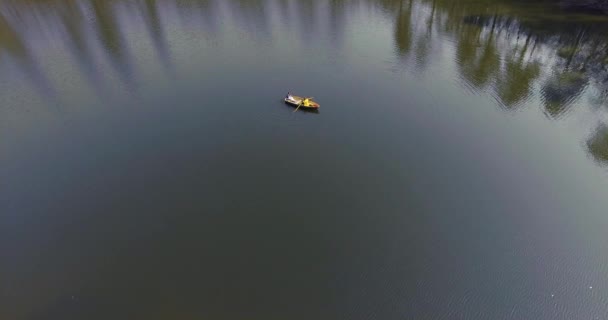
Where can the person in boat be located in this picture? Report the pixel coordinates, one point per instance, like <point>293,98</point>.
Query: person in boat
<point>306,102</point>
<point>289,97</point>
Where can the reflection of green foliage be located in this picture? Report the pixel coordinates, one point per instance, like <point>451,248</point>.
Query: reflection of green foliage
<point>488,64</point>
<point>561,90</point>
<point>570,78</point>
<point>514,86</point>
<point>403,30</point>
<point>566,52</point>
<point>483,58</point>
<point>598,144</point>
<point>466,53</point>
<point>9,39</point>
<point>109,33</point>
<point>479,64</point>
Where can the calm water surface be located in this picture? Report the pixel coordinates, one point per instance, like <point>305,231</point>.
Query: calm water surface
<point>457,169</point>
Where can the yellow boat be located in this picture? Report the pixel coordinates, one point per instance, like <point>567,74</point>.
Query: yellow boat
<point>305,102</point>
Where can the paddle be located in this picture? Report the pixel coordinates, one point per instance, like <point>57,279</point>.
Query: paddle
<point>301,101</point>
<point>299,105</point>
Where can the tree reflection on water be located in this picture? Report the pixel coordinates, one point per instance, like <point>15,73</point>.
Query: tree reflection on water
<point>512,50</point>
<point>518,51</point>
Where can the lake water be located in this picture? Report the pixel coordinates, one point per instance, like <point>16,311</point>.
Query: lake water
<point>457,168</point>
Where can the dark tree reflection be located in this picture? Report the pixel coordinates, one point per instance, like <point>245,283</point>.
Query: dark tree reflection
<point>403,28</point>
<point>598,144</point>
<point>12,44</point>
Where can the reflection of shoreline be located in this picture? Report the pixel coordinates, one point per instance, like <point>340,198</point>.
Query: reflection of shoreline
<point>157,34</point>
<point>505,59</point>
<point>513,54</point>
<point>83,26</point>
<point>12,44</point>
<point>590,6</point>
<point>111,39</point>
<point>496,51</point>
<point>500,48</point>
<point>597,144</point>
<point>79,48</point>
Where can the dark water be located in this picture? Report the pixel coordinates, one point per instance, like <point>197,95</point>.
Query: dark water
<point>457,169</point>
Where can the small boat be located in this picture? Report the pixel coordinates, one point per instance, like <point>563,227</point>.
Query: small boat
<point>296,101</point>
